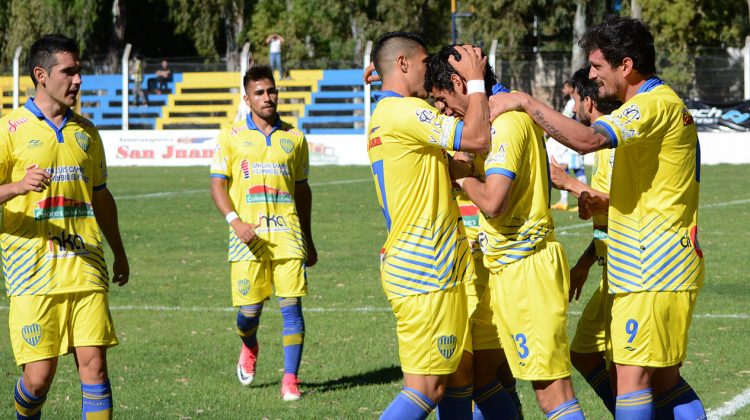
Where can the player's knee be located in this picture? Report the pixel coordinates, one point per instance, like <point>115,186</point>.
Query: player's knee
<point>93,370</point>
<point>291,313</point>
<point>38,384</point>
<point>248,317</point>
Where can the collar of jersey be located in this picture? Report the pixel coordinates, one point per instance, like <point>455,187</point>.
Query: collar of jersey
<point>650,84</point>
<point>31,106</point>
<point>386,94</point>
<point>251,125</point>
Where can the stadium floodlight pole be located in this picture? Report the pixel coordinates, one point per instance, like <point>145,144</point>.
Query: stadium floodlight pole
<point>16,76</point>
<point>493,58</point>
<point>243,110</point>
<point>125,88</point>
<point>368,110</point>
<point>746,57</point>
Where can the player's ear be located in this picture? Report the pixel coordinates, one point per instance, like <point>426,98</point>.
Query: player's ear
<point>40,75</point>
<point>403,63</point>
<point>458,83</point>
<point>627,66</point>
<point>588,104</point>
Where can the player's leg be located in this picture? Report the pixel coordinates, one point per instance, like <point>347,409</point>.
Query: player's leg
<point>589,344</point>
<point>290,280</point>
<point>35,335</point>
<point>251,286</point>
<point>91,332</point>
<point>530,298</point>
<point>431,331</point>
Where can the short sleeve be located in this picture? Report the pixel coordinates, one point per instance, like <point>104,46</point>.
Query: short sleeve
<point>100,162</point>
<point>302,162</point>
<point>507,149</point>
<point>220,165</point>
<point>423,123</point>
<point>637,120</point>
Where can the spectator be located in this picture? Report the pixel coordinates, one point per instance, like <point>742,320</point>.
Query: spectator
<point>163,77</point>
<point>274,42</point>
<point>139,97</point>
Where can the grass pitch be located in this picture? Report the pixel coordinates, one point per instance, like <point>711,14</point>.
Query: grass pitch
<point>178,348</point>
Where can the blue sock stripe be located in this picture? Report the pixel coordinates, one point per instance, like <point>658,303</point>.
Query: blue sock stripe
<point>487,391</point>
<point>293,301</point>
<point>462,392</point>
<point>681,388</point>
<point>418,398</point>
<point>251,311</point>
<point>565,409</point>
<point>24,396</point>
<point>634,399</point>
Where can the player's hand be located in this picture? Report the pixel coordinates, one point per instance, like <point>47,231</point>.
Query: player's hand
<point>369,75</point>
<point>578,275</point>
<point>589,205</point>
<point>36,179</point>
<point>558,174</point>
<point>312,255</point>
<point>470,65</point>
<point>459,168</point>
<point>503,102</point>
<point>244,231</point>
<point>121,271</point>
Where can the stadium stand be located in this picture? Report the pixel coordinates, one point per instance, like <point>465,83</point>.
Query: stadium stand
<point>337,106</point>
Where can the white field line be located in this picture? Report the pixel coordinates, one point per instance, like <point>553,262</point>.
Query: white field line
<point>730,407</point>
<point>206,190</point>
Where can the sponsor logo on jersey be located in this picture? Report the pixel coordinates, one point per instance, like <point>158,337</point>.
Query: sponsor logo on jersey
<point>259,168</point>
<point>245,168</point>
<point>446,345</point>
<point>287,145</point>
<point>60,207</point>
<point>470,215</point>
<point>66,245</point>
<point>83,140</point>
<point>687,118</point>
<point>497,157</point>
<point>266,194</point>
<point>236,130</point>
<point>14,124</point>
<point>373,142</point>
<point>67,173</point>
<point>32,334</point>
<point>34,143</point>
<point>271,223</point>
<point>243,286</point>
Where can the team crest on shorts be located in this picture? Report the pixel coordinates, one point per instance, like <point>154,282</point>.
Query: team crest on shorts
<point>32,334</point>
<point>83,140</point>
<point>243,286</point>
<point>446,345</point>
<point>286,145</point>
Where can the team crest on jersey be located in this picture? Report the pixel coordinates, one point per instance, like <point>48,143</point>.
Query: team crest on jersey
<point>32,334</point>
<point>287,145</point>
<point>243,286</point>
<point>687,119</point>
<point>446,345</point>
<point>83,140</point>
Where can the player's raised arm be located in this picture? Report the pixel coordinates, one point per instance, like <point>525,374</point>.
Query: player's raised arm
<point>475,136</point>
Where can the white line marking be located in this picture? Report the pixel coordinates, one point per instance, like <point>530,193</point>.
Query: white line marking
<point>206,190</point>
<point>731,407</point>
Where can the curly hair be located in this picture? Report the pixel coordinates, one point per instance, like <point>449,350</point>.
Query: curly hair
<point>439,71</point>
<point>619,37</point>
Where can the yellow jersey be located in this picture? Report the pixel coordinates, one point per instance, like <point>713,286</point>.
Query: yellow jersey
<point>50,240</point>
<point>426,249</point>
<point>653,210</point>
<point>601,178</point>
<point>518,153</point>
<point>261,172</point>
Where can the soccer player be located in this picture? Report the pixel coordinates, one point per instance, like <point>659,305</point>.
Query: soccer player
<point>426,257</point>
<point>55,201</point>
<point>494,385</point>
<point>655,266</point>
<point>259,184</point>
<point>528,268</point>
<point>587,351</point>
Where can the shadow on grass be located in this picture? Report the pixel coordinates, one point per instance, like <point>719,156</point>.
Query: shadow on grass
<point>376,377</point>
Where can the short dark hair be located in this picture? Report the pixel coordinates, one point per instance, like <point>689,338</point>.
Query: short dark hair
<point>439,71</point>
<point>619,37</point>
<point>391,42</point>
<point>587,88</point>
<point>42,52</point>
<point>256,73</point>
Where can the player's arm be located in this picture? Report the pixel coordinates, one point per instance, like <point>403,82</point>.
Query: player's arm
<point>105,211</point>
<point>475,135</point>
<point>565,130</point>
<point>590,204</point>
<point>580,271</point>
<point>244,231</point>
<point>36,179</point>
<point>303,203</point>
<point>562,180</point>
<point>490,196</point>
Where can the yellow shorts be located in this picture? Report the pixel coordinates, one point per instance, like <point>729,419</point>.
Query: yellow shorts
<point>252,281</point>
<point>432,329</point>
<point>650,328</point>
<point>530,301</point>
<point>47,326</point>
<point>484,331</point>
<point>590,334</point>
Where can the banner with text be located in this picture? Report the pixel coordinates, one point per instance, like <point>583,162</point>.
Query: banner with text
<point>709,116</point>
